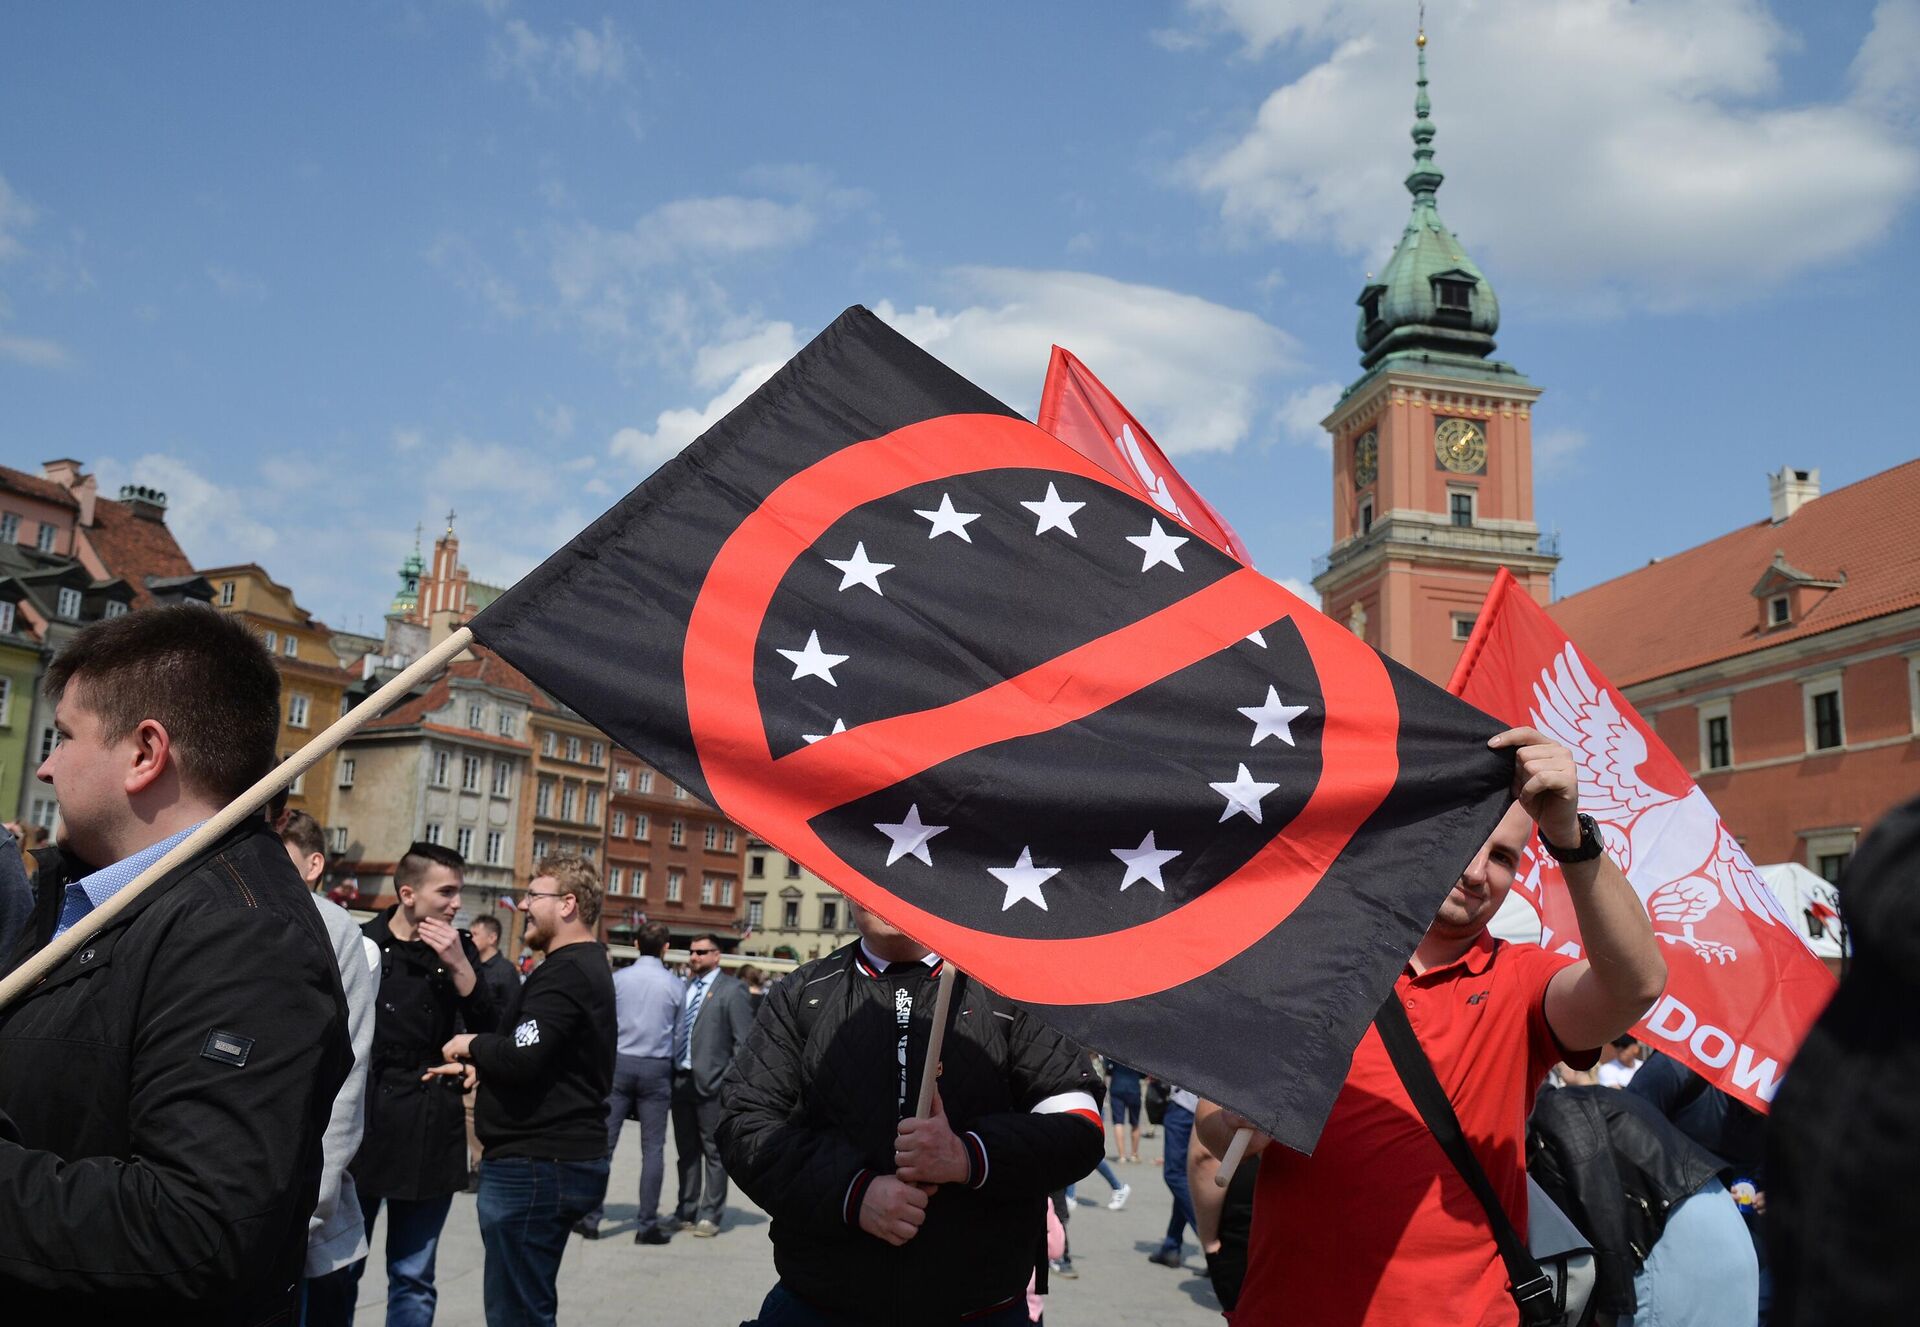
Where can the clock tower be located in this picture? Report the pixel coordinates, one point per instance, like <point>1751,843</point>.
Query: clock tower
<point>1432,447</point>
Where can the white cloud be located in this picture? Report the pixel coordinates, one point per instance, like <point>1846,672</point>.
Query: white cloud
<point>209,520</point>
<point>579,58</point>
<point>235,284</point>
<point>34,351</point>
<point>558,421</point>
<point>1302,411</point>
<point>752,357</point>
<point>472,465</point>
<point>1192,370</point>
<point>473,275</point>
<point>1300,588</point>
<point>1606,149</point>
<point>1557,452</point>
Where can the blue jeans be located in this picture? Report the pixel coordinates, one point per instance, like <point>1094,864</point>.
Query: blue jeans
<point>1702,1271</point>
<point>1179,1127</point>
<point>413,1240</point>
<point>527,1208</point>
<point>643,1091</point>
<point>782,1309</point>
<point>1106,1173</point>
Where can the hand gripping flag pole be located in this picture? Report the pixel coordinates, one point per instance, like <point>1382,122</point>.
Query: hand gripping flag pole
<point>28,974</point>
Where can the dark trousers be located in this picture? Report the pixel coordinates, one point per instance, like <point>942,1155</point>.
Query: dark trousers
<point>782,1308</point>
<point>696,1137</point>
<point>1179,1126</point>
<point>643,1091</point>
<point>526,1209</point>
<point>327,1301</point>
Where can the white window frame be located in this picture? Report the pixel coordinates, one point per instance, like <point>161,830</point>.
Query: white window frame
<point>226,594</point>
<point>291,646</point>
<point>496,842</point>
<point>49,739</point>
<point>1913,690</point>
<point>637,883</point>
<point>463,841</point>
<point>619,780</point>
<point>729,839</point>
<point>708,887</point>
<point>272,640</point>
<point>347,766</point>
<point>547,743</point>
<point>593,806</point>
<point>573,749</point>
<point>502,778</point>
<point>613,880</point>
<point>677,833</point>
<point>1472,495</point>
<point>67,602</point>
<point>642,826</point>
<point>442,768</point>
<point>679,793</point>
<point>599,753</point>
<point>114,608</point>
<point>1363,517</point>
<point>6,616</point>
<point>726,891</point>
<point>711,839</point>
<point>299,704</point>
<point>1820,686</point>
<point>1463,626</point>
<point>618,827</point>
<point>569,799</point>
<point>644,782</point>
<point>829,914</point>
<point>676,880</point>
<point>509,723</point>
<point>10,527</point>
<point>543,798</point>
<point>476,715</point>
<point>539,847</point>
<point>470,767</point>
<point>435,831</point>
<point>756,913</point>
<point>48,538</point>
<point>336,838</point>
<point>1710,710</point>
<point>1779,612</point>
<point>6,699</point>
<point>790,914</point>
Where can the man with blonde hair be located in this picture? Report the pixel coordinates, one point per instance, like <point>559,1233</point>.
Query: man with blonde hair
<point>542,1108</point>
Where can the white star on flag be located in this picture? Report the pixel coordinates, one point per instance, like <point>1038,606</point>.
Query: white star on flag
<point>860,570</point>
<point>910,837</point>
<point>1272,719</point>
<point>1023,880</point>
<point>839,726</point>
<point>948,521</point>
<point>814,661</point>
<point>1243,796</point>
<point>1144,862</point>
<point>1055,512</point>
<point>1257,637</point>
<point>1159,547</point>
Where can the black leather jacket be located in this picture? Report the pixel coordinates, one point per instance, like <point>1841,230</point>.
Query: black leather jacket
<point>1616,1167</point>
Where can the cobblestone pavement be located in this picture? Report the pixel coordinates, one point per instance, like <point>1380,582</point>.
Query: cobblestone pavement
<point>719,1282</point>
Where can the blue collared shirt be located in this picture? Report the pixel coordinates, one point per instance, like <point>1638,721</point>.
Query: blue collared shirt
<point>647,1000</point>
<point>110,880</point>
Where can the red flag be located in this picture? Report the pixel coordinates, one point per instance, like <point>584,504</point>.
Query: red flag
<point>1742,987</point>
<point>1077,408</point>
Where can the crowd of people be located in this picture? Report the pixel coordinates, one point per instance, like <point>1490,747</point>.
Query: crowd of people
<point>211,1141</point>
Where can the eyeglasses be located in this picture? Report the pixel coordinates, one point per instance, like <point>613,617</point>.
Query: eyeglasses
<point>703,952</point>
<point>536,893</point>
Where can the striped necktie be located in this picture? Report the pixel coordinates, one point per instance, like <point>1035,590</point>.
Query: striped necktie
<point>696,994</point>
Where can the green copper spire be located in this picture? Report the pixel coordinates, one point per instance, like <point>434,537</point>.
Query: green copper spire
<point>1429,300</point>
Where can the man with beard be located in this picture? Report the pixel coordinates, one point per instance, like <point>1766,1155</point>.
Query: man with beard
<point>543,1085</point>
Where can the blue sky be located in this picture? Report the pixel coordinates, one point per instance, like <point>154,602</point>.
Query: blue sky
<point>323,273</point>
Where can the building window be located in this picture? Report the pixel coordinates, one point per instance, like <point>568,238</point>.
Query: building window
<point>1826,723</point>
<point>613,880</point>
<point>10,529</point>
<point>1366,516</point>
<point>440,763</point>
<point>45,812</point>
<point>728,839</point>
<point>67,602</point>
<point>291,647</point>
<point>299,784</point>
<point>1460,508</point>
<point>679,793</point>
<point>619,780</point>
<point>1463,626</point>
<point>476,715</point>
<point>1830,865</point>
<point>463,841</point>
<point>543,803</point>
<point>346,772</point>
<point>644,781</point>
<point>674,880</point>
<point>677,833</point>
<point>470,774</point>
<point>599,753</point>
<point>706,890</point>
<point>618,829</point>
<point>273,641</point>
<point>1716,735</point>
<point>569,799</point>
<point>642,824</point>
<point>6,699</point>
<point>509,723</point>
<point>49,737</point>
<point>756,913</point>
<point>1779,610</point>
<point>539,848</point>
<point>47,535</point>
<point>1453,293</point>
<point>793,869</point>
<point>593,806</point>
<point>114,608</point>
<point>757,866</point>
<point>790,915</point>
<point>336,838</point>
<point>829,914</point>
<point>712,840</point>
<point>226,594</point>
<point>546,744</point>
<point>573,748</point>
<point>495,841</point>
<point>502,779</point>
<point>6,617</point>
<point>297,705</point>
<point>434,832</point>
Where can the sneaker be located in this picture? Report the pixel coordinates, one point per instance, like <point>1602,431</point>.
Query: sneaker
<point>1120,1196</point>
<point>1166,1258</point>
<point>705,1229</point>
<point>1062,1268</point>
<point>652,1235</point>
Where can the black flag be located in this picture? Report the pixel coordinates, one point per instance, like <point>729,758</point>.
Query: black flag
<point>944,661</point>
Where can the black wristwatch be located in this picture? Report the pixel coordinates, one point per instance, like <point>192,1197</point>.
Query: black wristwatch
<point>1586,850</point>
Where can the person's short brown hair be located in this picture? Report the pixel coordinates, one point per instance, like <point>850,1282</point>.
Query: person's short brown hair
<point>652,940</point>
<point>302,832</point>
<point>489,921</point>
<point>200,674</point>
<point>573,874</point>
<point>413,864</point>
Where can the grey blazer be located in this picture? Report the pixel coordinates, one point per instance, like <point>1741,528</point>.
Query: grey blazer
<point>726,1016</point>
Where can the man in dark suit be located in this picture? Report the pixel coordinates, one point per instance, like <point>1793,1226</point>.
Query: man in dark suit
<point>714,1020</point>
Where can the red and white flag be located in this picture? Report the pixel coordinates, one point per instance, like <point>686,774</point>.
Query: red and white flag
<point>1077,408</point>
<point>1742,986</point>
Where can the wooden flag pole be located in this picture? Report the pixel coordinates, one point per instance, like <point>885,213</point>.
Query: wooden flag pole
<point>1236,1153</point>
<point>930,1072</point>
<point>29,973</point>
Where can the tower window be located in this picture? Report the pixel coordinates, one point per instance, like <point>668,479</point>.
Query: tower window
<point>1370,307</point>
<point>1460,508</point>
<point>1453,294</point>
<point>1366,516</point>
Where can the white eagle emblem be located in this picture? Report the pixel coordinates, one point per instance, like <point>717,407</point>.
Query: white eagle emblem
<point>1151,479</point>
<point>1678,855</point>
<point>528,1033</point>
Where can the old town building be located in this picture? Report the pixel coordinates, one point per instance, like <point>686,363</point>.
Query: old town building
<point>791,912</point>
<point>565,806</point>
<point>670,858</point>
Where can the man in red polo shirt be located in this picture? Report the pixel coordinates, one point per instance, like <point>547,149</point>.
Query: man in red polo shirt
<point>1377,1227</point>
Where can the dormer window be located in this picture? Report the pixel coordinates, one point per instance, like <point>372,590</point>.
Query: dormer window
<point>1779,612</point>
<point>1370,305</point>
<point>1453,293</point>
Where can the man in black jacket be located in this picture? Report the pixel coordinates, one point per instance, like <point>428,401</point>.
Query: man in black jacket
<point>878,1217</point>
<point>413,1155</point>
<point>164,1092</point>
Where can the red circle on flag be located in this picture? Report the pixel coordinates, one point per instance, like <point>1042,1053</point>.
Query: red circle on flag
<point>779,797</point>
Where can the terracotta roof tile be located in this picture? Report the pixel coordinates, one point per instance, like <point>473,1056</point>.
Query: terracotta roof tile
<point>134,548</point>
<point>1697,607</point>
<point>34,486</point>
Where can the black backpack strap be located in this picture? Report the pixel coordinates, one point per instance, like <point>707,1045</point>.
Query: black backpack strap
<point>1532,1289</point>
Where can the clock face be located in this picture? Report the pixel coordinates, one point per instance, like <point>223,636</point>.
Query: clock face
<point>1460,445</point>
<point>1366,458</point>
